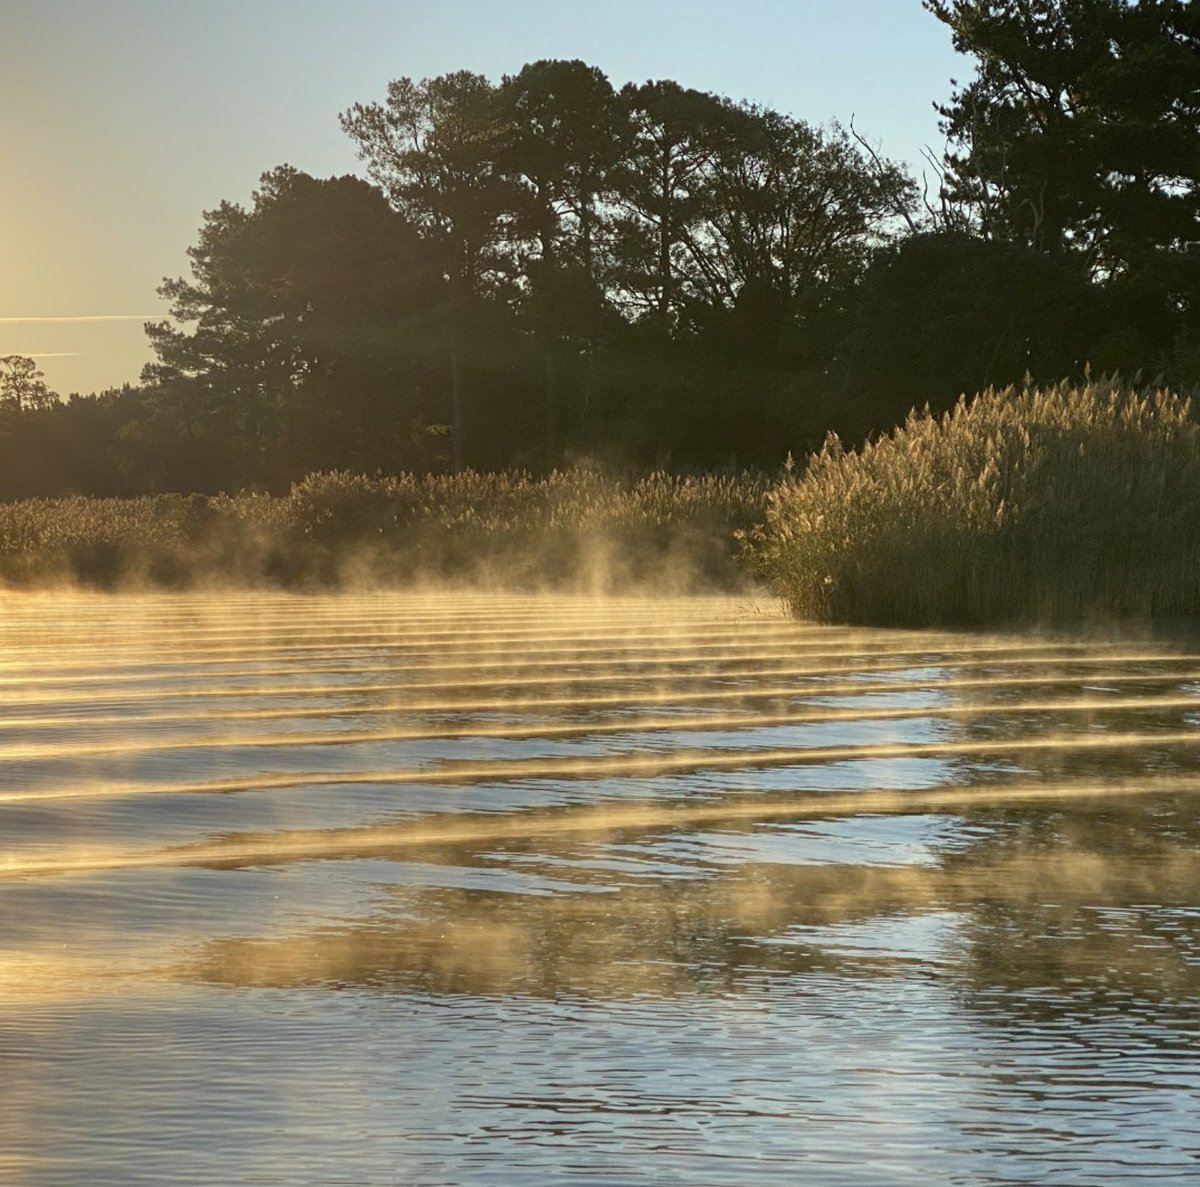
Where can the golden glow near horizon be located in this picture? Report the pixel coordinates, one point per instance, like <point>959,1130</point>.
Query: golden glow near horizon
<point>71,350</point>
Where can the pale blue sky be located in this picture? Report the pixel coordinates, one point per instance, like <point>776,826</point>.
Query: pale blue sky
<point>122,120</point>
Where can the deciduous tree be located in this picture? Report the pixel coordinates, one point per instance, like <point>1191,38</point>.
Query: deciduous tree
<point>563,133</point>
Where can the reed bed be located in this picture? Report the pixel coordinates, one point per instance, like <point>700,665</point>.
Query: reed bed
<point>1040,504</point>
<point>575,528</point>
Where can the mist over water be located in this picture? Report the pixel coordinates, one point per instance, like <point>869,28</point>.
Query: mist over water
<point>452,888</point>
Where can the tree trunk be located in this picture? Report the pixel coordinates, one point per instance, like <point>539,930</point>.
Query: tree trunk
<point>551,403</point>
<point>664,243</point>
<point>456,402</point>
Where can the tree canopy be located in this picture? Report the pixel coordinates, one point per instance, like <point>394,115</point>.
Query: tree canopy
<point>1079,137</point>
<point>23,386</point>
<point>1080,133</point>
<point>547,267</point>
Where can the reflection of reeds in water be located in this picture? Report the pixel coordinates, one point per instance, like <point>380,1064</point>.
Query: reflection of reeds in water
<point>1035,913</point>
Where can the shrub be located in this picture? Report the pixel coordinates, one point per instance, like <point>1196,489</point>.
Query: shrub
<point>1038,504</point>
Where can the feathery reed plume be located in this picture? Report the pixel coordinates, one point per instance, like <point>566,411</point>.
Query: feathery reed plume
<point>1057,503</point>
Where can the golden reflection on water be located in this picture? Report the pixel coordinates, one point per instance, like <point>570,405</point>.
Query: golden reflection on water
<point>715,720</point>
<point>681,936</point>
<point>470,800</point>
<point>464,829</point>
<point>57,973</point>
<point>635,765</point>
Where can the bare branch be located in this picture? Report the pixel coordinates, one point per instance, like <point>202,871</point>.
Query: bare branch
<point>880,171</point>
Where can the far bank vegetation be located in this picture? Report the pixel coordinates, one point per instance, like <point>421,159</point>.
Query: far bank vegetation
<point>575,529</point>
<point>1032,505</point>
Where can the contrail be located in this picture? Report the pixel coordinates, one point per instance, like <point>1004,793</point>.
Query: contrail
<point>83,317</point>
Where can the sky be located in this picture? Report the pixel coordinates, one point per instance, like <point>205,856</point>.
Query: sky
<point>122,121</point>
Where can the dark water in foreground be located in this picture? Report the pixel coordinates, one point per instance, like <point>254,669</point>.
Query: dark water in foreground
<point>464,890</point>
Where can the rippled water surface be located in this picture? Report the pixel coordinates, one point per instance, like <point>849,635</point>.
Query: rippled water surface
<point>455,889</point>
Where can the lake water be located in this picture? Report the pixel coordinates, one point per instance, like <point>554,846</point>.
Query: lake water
<point>463,889</point>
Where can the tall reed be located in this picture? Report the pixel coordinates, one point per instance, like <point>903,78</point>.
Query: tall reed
<point>576,527</point>
<point>1039,504</point>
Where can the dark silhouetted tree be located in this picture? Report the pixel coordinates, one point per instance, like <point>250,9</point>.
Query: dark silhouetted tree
<point>23,386</point>
<point>563,135</point>
<point>940,314</point>
<point>433,147</point>
<point>301,337</point>
<point>1079,137</point>
<point>660,194</point>
<point>740,235</point>
<point>791,216</point>
<point>1080,133</point>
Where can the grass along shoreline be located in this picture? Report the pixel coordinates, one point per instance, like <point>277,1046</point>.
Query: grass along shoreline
<point>573,529</point>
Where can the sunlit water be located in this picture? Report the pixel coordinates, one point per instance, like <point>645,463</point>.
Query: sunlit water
<point>508,890</point>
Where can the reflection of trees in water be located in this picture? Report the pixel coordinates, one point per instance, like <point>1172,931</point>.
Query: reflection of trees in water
<point>1102,906</point>
<point>1061,910</point>
<point>1100,910</point>
<point>657,937</point>
<point>1102,913</point>
<point>1045,903</point>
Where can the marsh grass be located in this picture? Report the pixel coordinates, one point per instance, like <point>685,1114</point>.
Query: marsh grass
<point>1042,504</point>
<point>576,528</point>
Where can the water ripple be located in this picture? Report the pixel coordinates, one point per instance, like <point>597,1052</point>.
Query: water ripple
<point>466,889</point>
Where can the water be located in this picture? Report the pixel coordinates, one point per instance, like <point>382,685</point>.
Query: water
<point>455,889</point>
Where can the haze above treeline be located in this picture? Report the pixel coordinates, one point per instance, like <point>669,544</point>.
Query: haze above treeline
<point>543,269</point>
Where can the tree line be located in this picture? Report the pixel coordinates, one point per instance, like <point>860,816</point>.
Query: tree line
<point>548,268</point>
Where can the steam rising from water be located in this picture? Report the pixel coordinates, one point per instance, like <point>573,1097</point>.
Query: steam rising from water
<point>1063,706</point>
<point>563,692</point>
<point>474,804</point>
